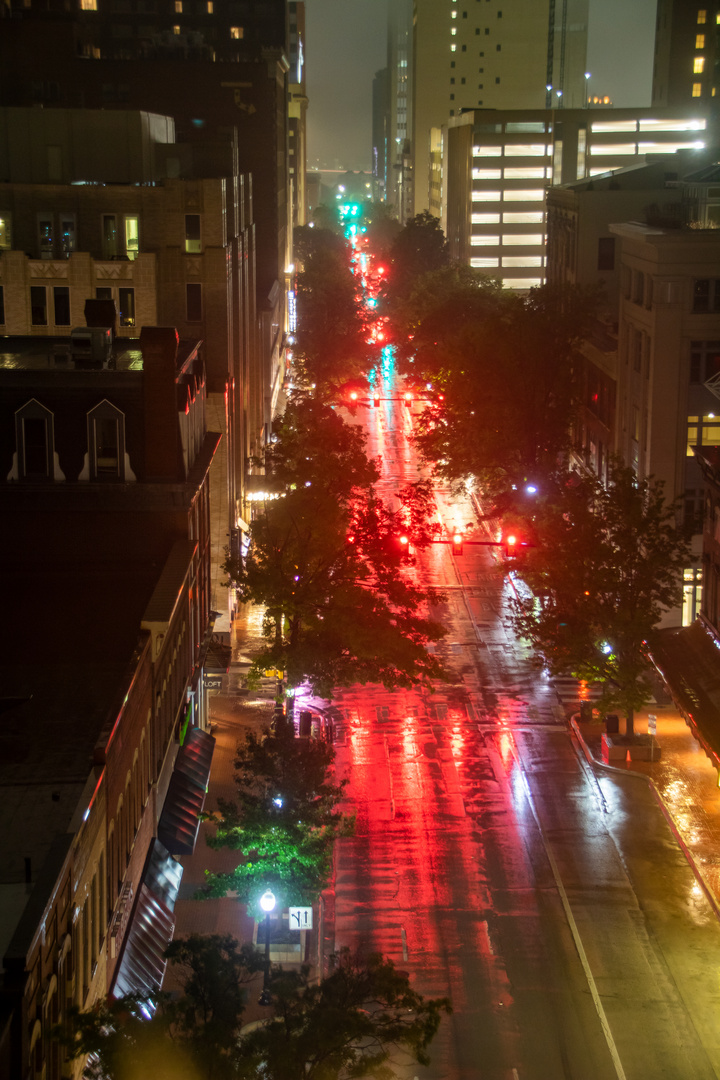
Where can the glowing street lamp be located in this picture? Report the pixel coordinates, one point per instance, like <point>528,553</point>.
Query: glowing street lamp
<point>267,903</point>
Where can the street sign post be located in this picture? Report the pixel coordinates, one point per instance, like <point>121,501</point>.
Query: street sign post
<point>300,918</point>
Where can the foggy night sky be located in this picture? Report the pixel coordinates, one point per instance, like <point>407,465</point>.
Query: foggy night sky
<point>346,43</point>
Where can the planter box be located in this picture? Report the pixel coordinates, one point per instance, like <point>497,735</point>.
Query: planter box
<point>612,750</point>
<point>648,751</point>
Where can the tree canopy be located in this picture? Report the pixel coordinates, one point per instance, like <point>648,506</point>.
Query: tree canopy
<point>354,1022</point>
<point>419,248</point>
<point>608,562</point>
<point>331,340</point>
<point>359,1021</point>
<point>327,560</point>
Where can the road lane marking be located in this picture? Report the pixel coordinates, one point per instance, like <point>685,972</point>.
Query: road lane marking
<point>573,926</point>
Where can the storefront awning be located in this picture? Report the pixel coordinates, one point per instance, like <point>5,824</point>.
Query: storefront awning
<point>141,966</point>
<point>180,818</point>
<point>689,661</point>
<point>195,756</point>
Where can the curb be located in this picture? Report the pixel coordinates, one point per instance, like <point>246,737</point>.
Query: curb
<point>696,869</point>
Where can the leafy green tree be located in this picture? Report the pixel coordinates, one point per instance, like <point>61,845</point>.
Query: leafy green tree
<point>608,563</point>
<point>419,248</point>
<point>506,373</point>
<point>352,1023</point>
<point>326,561</point>
<point>307,240</point>
<point>192,1037</point>
<point>331,341</point>
<point>382,227</point>
<point>359,1021</point>
<point>284,821</point>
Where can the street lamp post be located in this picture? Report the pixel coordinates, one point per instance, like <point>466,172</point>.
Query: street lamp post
<point>267,903</point>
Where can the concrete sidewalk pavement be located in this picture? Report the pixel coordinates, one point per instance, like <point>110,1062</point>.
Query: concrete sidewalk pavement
<point>684,781</point>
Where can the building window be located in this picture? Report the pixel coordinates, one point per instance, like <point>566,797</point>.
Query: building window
<point>702,15</point>
<point>2,306</point>
<point>88,5</point>
<point>45,235</point>
<point>5,232</point>
<point>698,65</point>
<point>176,30</point>
<point>106,442</point>
<point>132,236</point>
<point>192,234</point>
<point>700,41</point>
<point>606,253</point>
<point>193,302</point>
<point>127,307</point>
<point>109,236</point>
<point>178,7</point>
<point>237,32</point>
<point>704,360</point>
<point>38,305</point>
<point>697,89</point>
<point>103,292</point>
<point>68,234</point>
<point>209,7</point>
<point>61,303</point>
<point>34,438</point>
<point>706,295</point>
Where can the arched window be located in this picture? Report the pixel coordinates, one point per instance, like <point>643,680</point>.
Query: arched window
<point>106,442</point>
<point>35,442</point>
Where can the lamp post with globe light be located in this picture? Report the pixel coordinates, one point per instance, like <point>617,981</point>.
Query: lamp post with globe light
<point>267,903</point>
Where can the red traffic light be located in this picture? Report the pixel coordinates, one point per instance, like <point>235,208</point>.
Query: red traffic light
<point>376,401</point>
<point>408,400</point>
<point>511,541</point>
<point>353,395</point>
<point>457,543</point>
<point>403,540</point>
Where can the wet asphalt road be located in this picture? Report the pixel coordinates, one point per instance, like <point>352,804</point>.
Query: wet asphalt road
<point>548,900</point>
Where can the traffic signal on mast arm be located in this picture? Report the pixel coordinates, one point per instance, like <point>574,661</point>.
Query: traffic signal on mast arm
<point>512,543</point>
<point>457,543</point>
<point>376,401</point>
<point>407,400</point>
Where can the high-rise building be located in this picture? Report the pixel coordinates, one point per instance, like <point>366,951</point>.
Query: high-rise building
<point>528,55</point>
<point>297,111</point>
<point>398,190</point>
<point>494,166</point>
<point>684,70</point>
<point>380,131</point>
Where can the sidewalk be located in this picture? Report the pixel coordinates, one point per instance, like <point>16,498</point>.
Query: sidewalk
<point>684,781</point>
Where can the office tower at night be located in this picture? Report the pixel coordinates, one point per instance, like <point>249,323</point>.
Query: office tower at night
<point>684,69</point>
<point>529,55</point>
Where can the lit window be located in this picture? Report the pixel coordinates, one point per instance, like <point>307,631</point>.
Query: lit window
<point>486,174</point>
<point>487,151</point>
<point>702,15</point>
<point>484,219</point>
<point>132,237</point>
<point>453,48</point>
<point>127,307</point>
<point>700,41</point>
<point>192,234</point>
<point>522,260</point>
<point>236,32</point>
<point>484,241</point>
<point>533,195</point>
<point>486,196</point>
<point>5,232</point>
<point>480,264</point>
<point>178,6</point>
<point>529,150</point>
<point>523,238</point>
<point>453,15</point>
<point>176,29</point>
<point>524,174</point>
<point>527,217</point>
<point>88,5</point>
<point>454,31</point>
<point>699,65</point>
<point>697,89</point>
<point>209,7</point>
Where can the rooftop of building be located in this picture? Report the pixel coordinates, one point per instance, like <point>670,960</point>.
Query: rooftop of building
<point>57,353</point>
